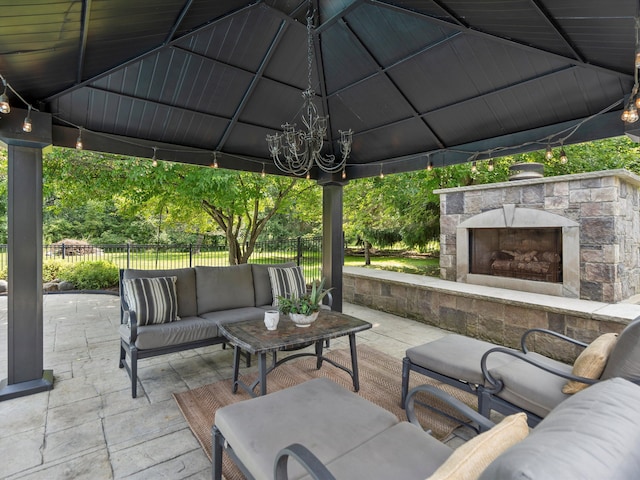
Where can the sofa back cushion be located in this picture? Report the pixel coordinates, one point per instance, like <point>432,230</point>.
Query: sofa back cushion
<point>153,299</point>
<point>185,286</point>
<point>224,288</point>
<point>593,434</point>
<point>624,360</point>
<point>262,284</point>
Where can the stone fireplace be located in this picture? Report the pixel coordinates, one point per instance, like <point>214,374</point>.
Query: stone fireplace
<point>575,236</point>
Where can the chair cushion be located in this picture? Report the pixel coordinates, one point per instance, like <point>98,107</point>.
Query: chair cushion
<point>595,434</point>
<point>471,459</point>
<point>319,414</point>
<point>185,286</point>
<point>457,357</point>
<point>286,282</point>
<point>531,388</point>
<point>591,361</point>
<point>224,288</point>
<point>624,360</point>
<point>154,300</point>
<point>262,282</point>
<point>402,451</point>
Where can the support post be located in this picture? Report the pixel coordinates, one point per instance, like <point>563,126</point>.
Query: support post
<point>332,241</point>
<point>26,374</point>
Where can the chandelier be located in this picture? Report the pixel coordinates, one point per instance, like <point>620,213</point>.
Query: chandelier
<point>296,151</point>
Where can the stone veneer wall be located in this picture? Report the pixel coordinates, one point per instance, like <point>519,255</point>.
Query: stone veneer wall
<point>496,315</point>
<point>604,203</point>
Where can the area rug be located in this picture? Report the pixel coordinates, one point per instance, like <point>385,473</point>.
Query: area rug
<point>380,383</point>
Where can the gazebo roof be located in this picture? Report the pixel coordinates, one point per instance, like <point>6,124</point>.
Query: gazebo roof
<point>418,81</point>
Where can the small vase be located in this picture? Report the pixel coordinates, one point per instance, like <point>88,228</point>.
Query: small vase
<point>302,320</point>
<point>271,318</point>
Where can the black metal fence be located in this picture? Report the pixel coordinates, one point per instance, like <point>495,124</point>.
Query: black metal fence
<point>306,252</point>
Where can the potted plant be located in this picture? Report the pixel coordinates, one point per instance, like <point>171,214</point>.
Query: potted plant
<point>304,310</point>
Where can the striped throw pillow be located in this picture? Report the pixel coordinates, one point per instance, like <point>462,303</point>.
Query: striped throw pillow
<point>287,282</point>
<point>153,299</point>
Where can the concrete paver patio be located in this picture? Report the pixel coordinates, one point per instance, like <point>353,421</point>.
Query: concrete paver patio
<point>89,427</point>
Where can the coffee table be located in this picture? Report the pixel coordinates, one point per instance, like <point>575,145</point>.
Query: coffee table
<point>252,336</point>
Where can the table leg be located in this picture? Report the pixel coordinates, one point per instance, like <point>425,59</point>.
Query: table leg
<point>318,355</point>
<point>262,370</point>
<point>236,367</point>
<point>354,361</point>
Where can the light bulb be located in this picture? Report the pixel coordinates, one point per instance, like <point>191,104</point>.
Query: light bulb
<point>490,166</point>
<point>474,167</point>
<point>263,173</point>
<point>154,163</point>
<point>430,166</point>
<point>344,174</point>
<point>549,153</point>
<point>638,101</point>
<point>26,125</point>
<point>625,115</point>
<point>633,114</point>
<point>638,58</point>
<point>308,177</point>
<point>79,145</point>
<point>563,156</point>
<point>4,101</point>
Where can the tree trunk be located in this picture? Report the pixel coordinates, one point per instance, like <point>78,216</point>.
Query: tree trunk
<point>367,253</point>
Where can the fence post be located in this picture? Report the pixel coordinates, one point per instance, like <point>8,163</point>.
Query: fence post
<point>62,245</point>
<point>299,252</point>
<point>190,255</point>
<point>128,255</point>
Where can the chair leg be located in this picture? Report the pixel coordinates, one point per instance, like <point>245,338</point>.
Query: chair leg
<point>216,454</point>
<point>248,358</point>
<point>484,402</point>
<point>134,371</point>
<point>406,367</point>
<point>123,356</point>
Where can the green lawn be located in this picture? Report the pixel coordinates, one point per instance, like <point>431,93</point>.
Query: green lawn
<point>422,266</point>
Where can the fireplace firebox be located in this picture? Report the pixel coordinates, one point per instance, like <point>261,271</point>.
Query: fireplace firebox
<point>525,253</point>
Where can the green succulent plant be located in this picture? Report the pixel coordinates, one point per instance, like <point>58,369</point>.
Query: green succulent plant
<point>306,304</point>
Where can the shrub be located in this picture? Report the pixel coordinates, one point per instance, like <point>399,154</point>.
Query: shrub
<point>91,275</point>
<point>51,269</point>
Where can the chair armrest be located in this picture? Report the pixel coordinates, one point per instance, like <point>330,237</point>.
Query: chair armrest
<point>131,315</point>
<point>496,385</point>
<point>525,335</point>
<point>462,408</point>
<point>305,457</point>
<point>329,298</point>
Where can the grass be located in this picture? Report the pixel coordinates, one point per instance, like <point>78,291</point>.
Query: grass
<point>422,266</point>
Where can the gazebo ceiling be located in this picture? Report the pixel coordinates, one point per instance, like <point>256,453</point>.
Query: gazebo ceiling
<point>416,80</point>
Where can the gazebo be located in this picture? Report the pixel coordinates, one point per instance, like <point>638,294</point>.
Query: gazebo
<point>420,84</point>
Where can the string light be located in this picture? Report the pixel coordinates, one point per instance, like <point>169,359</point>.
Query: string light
<point>79,145</point>
<point>630,112</point>
<point>344,173</point>
<point>381,172</point>
<point>549,153</point>
<point>474,167</point>
<point>430,166</point>
<point>214,162</point>
<point>308,176</point>
<point>563,156</point>
<point>154,160</point>
<point>26,125</point>
<point>4,100</point>
<point>263,174</point>
<point>490,165</point>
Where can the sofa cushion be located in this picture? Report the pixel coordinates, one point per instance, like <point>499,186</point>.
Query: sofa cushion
<point>185,286</point>
<point>594,434</point>
<point>235,315</point>
<point>262,282</point>
<point>468,461</point>
<point>286,282</point>
<point>223,288</point>
<point>185,330</point>
<point>591,361</point>
<point>532,388</point>
<point>154,300</point>
<point>457,357</point>
<point>319,414</point>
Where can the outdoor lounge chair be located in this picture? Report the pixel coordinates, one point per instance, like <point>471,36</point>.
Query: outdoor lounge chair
<point>508,380</point>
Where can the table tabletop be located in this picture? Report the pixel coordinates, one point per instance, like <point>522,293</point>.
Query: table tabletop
<point>252,335</point>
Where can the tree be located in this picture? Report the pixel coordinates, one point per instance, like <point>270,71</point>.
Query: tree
<point>199,199</point>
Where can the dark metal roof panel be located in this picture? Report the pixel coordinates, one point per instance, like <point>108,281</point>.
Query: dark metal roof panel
<point>288,64</point>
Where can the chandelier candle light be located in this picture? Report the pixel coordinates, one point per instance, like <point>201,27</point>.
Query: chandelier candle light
<point>630,113</point>
<point>295,151</point>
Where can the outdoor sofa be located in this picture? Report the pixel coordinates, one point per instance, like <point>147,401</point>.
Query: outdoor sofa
<point>320,430</point>
<point>203,296</point>
<point>510,380</point>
